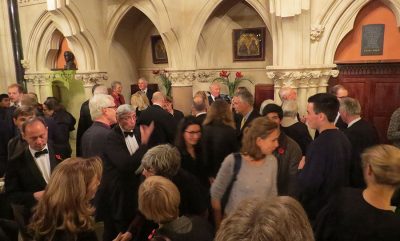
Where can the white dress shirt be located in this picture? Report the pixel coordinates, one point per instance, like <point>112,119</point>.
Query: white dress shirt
<point>131,143</point>
<point>43,163</point>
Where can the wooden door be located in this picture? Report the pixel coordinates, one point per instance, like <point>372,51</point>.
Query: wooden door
<point>377,87</point>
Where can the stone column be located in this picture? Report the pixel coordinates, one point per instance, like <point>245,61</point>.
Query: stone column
<point>308,80</point>
<point>182,91</point>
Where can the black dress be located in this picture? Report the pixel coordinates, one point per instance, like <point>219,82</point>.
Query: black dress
<point>349,217</point>
<point>62,235</point>
<point>65,123</point>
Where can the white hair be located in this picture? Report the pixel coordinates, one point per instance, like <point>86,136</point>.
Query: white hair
<point>97,103</point>
<point>125,109</point>
<point>101,89</point>
<point>289,108</point>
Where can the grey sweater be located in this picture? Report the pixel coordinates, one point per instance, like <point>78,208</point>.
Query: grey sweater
<point>393,133</point>
<point>252,181</point>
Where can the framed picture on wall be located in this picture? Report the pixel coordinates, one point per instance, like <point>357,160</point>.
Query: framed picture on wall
<point>158,50</point>
<point>249,44</point>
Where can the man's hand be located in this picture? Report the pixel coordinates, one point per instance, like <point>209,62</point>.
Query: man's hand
<point>123,237</point>
<point>146,131</point>
<point>38,195</point>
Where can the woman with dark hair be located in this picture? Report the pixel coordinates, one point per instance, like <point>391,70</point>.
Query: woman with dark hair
<point>188,143</point>
<point>219,136</point>
<point>65,124</point>
<point>257,172</point>
<point>64,212</point>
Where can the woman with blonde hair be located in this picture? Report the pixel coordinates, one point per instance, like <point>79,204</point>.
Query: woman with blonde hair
<point>365,215</point>
<point>159,200</point>
<point>251,173</point>
<point>277,218</point>
<point>219,136</point>
<point>64,211</point>
<point>139,102</point>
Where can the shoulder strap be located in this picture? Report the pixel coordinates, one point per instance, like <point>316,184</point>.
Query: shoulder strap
<point>237,165</point>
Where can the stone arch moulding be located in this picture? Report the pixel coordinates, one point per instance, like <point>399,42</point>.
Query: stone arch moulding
<point>199,22</point>
<point>156,11</point>
<point>338,20</point>
<point>70,26</point>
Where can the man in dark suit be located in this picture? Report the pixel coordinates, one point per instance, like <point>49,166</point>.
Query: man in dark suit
<point>85,120</point>
<point>164,123</point>
<point>199,109</point>
<point>215,93</point>
<point>361,135</point>
<point>169,107</point>
<point>243,103</point>
<point>102,109</point>
<point>142,84</point>
<point>117,195</point>
<point>28,173</point>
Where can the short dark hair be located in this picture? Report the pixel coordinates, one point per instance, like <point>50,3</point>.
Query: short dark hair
<point>3,96</point>
<point>273,108</point>
<point>31,121</point>
<point>335,89</point>
<point>325,103</point>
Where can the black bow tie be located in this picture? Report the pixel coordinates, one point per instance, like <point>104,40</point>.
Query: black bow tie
<point>42,152</point>
<point>128,134</point>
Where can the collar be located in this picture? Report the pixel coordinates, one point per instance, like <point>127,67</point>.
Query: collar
<point>201,113</point>
<point>354,121</point>
<point>248,114</point>
<point>32,151</point>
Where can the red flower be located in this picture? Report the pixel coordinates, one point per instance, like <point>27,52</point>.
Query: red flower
<point>156,71</point>
<point>281,151</point>
<point>223,74</point>
<point>239,75</point>
<point>58,157</point>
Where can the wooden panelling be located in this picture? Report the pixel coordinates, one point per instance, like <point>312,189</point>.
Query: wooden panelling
<point>263,92</point>
<point>376,86</point>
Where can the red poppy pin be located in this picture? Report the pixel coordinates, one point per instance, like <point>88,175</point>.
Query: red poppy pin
<point>281,151</point>
<point>58,157</point>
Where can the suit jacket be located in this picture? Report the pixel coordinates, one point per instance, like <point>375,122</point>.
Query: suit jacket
<point>23,177</point>
<point>361,135</point>
<point>178,116</point>
<point>117,195</point>
<point>254,114</point>
<point>149,94</point>
<point>93,140</point>
<point>164,125</point>
<point>85,121</point>
<point>200,118</point>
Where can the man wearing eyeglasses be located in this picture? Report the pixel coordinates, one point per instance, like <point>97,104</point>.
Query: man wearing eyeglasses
<point>117,196</point>
<point>102,110</point>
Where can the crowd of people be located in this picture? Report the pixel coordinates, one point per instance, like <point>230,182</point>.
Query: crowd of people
<point>228,171</point>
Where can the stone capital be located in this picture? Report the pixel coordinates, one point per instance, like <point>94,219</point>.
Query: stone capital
<point>91,78</point>
<point>181,77</point>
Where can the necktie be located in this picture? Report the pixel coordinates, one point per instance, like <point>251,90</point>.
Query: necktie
<point>128,134</point>
<point>242,123</point>
<point>42,152</point>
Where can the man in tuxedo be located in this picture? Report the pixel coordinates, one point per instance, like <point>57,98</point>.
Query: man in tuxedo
<point>142,84</point>
<point>164,123</point>
<point>28,173</point>
<point>102,109</point>
<point>199,109</point>
<point>361,135</point>
<point>117,196</point>
<point>85,120</point>
<point>243,103</point>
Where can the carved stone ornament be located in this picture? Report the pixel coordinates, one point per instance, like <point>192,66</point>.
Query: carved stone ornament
<point>296,78</point>
<point>206,76</point>
<point>25,63</point>
<point>37,78</point>
<point>91,78</point>
<point>23,3</point>
<point>181,78</point>
<point>316,32</point>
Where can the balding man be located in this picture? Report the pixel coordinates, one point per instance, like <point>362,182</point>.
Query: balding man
<point>199,108</point>
<point>287,93</point>
<point>164,123</point>
<point>361,134</point>
<point>143,87</point>
<point>28,173</point>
